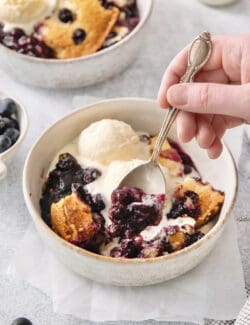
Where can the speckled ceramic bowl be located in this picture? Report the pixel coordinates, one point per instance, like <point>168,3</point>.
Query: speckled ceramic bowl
<point>7,156</point>
<point>78,72</point>
<point>142,114</point>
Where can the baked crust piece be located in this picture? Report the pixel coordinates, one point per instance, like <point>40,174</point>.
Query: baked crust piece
<point>72,219</point>
<point>174,167</point>
<point>210,200</point>
<point>177,240</point>
<point>90,17</point>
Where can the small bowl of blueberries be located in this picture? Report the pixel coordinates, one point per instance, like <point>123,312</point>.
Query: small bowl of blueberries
<point>13,128</point>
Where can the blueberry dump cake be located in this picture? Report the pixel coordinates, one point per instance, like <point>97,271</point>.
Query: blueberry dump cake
<point>81,202</point>
<point>65,29</point>
<point>9,125</point>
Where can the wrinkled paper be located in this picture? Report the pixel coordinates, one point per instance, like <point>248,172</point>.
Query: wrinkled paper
<point>214,289</point>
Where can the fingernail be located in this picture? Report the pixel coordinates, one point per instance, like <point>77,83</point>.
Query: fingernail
<point>177,95</point>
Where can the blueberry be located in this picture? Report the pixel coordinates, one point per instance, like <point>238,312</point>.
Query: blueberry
<point>17,33</point>
<point>5,143</point>
<point>116,252</point>
<point>113,230</point>
<point>21,321</point>
<point>2,125</point>
<point>66,16</point>
<point>97,203</point>
<point>66,162</point>
<point>121,196</point>
<point>130,248</point>
<point>105,4</point>
<point>13,134</point>
<point>79,36</point>
<point>17,40</point>
<point>118,213</point>
<point>136,193</point>
<point>90,175</point>
<point>126,195</point>
<point>9,41</point>
<point>10,123</point>
<point>187,169</point>
<point>8,107</point>
<point>144,138</point>
<point>193,238</point>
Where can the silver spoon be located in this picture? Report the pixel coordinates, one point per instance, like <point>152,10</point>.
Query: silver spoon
<point>149,176</point>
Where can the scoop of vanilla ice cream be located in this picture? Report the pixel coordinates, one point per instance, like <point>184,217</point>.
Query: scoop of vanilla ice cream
<point>109,140</point>
<point>24,13</point>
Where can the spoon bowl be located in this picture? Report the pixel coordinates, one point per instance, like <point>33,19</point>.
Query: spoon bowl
<point>142,177</point>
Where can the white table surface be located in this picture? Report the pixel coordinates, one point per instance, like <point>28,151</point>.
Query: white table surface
<point>173,24</point>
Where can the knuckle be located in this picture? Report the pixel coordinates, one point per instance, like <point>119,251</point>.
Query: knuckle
<point>205,93</point>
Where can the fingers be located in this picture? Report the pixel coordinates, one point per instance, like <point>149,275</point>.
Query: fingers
<point>172,76</point>
<point>219,126</point>
<point>215,76</point>
<point>231,122</point>
<point>208,131</point>
<point>215,149</point>
<point>205,135</point>
<point>226,57</point>
<point>206,98</point>
<point>178,66</point>
<point>186,126</point>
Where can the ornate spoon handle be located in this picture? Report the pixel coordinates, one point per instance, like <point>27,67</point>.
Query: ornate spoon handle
<point>198,55</point>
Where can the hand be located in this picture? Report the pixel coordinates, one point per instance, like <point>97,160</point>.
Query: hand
<point>220,97</point>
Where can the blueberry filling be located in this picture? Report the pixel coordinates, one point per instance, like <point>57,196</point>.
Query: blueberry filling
<point>191,239</point>
<point>68,176</point>
<point>95,201</point>
<point>184,157</point>
<point>79,36</point>
<point>18,41</point>
<point>187,205</point>
<point>66,16</point>
<point>129,18</point>
<point>132,211</point>
<point>129,248</point>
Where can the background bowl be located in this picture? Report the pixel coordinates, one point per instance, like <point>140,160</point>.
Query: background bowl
<point>7,155</point>
<point>77,72</point>
<point>142,114</point>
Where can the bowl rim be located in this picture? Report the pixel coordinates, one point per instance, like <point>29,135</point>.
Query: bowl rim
<point>23,120</point>
<point>85,253</point>
<point>97,54</point>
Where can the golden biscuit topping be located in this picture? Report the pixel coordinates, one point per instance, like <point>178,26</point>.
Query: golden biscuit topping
<point>72,219</point>
<point>210,200</point>
<point>84,33</point>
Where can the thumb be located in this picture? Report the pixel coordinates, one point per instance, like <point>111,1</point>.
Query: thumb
<point>209,98</point>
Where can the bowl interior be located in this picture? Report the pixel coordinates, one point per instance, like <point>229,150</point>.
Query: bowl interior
<point>142,115</point>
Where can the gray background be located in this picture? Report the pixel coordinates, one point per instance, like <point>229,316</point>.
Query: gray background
<point>173,24</point>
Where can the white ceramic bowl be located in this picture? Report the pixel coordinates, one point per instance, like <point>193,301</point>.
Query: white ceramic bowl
<point>142,114</point>
<point>78,72</point>
<point>7,155</point>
